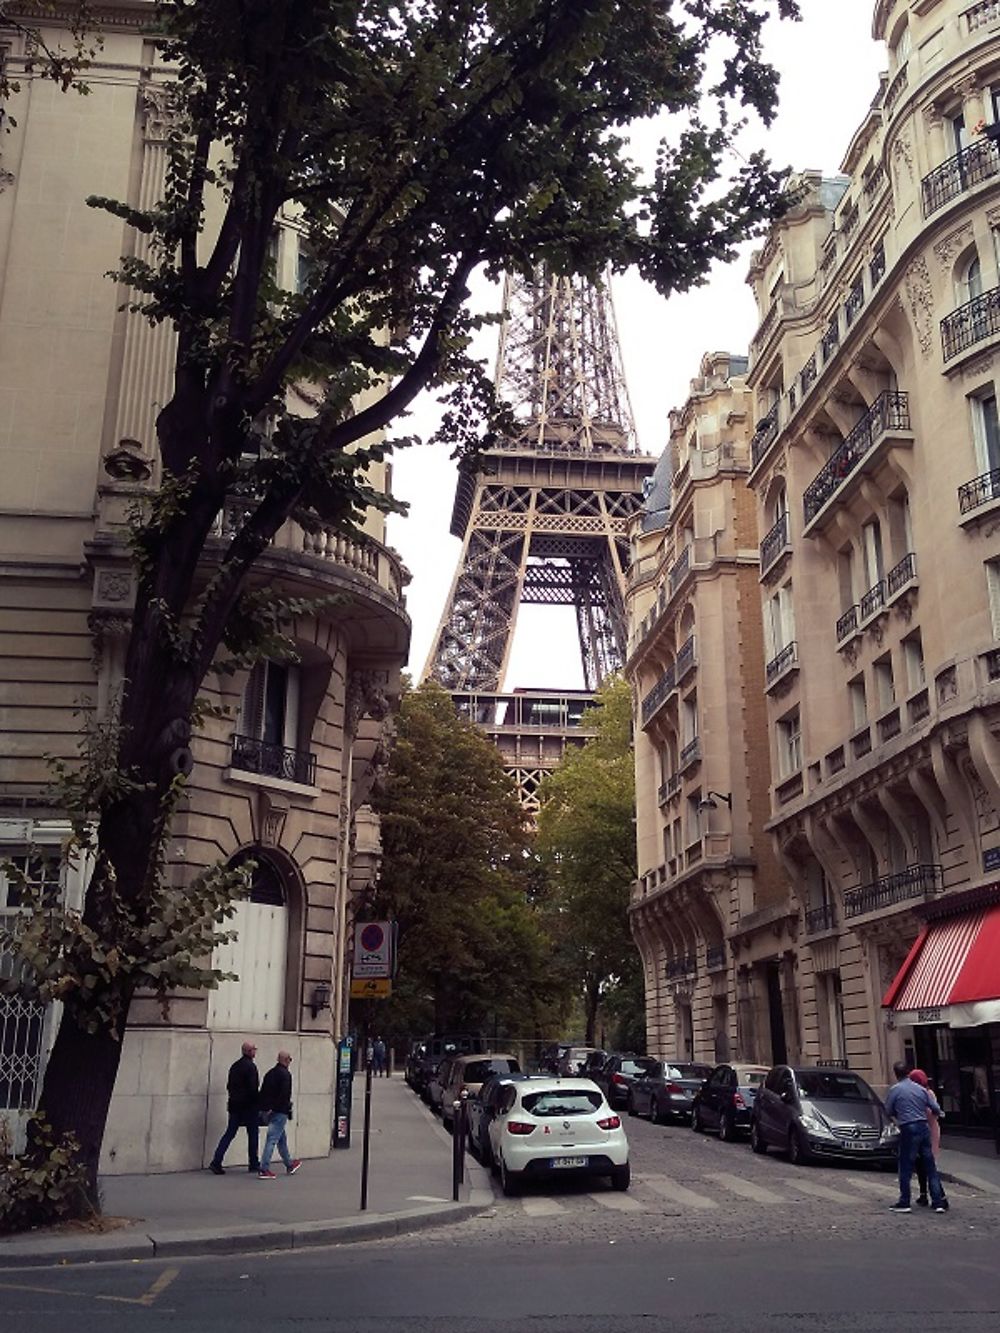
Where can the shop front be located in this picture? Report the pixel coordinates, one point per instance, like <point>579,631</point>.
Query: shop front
<point>945,1000</point>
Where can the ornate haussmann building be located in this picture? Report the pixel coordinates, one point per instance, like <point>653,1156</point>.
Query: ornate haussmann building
<point>287,778</point>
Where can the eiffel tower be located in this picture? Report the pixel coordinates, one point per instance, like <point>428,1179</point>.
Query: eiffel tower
<point>543,517</point>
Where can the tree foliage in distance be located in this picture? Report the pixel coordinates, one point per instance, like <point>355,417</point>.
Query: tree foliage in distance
<point>586,839</point>
<point>413,143</point>
<point>455,876</point>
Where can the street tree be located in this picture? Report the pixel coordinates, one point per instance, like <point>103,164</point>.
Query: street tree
<point>586,839</point>
<point>414,143</point>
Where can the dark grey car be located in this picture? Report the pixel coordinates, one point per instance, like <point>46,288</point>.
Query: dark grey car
<point>666,1091</point>
<point>822,1112</point>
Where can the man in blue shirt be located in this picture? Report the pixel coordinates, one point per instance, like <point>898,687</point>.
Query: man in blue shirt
<point>908,1103</point>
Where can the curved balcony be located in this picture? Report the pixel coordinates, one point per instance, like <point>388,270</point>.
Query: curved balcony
<point>889,415</point>
<point>973,165</point>
<point>775,544</point>
<point>971,323</point>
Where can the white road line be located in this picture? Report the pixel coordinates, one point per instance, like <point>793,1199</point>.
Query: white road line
<point>540,1207</point>
<point>873,1186</point>
<point>670,1189</point>
<point>618,1203</point>
<point>744,1188</point>
<point>817,1191</point>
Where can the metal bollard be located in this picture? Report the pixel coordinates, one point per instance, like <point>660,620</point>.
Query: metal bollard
<point>457,1156</point>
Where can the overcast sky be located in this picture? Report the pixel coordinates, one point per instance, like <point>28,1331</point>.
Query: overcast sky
<point>829,69</point>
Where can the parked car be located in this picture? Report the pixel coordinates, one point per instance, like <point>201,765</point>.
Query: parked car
<point>822,1112</point>
<point>427,1053</point>
<point>593,1063</point>
<point>666,1091</point>
<point>467,1073</point>
<point>616,1076</point>
<point>573,1059</point>
<point>480,1108</point>
<point>434,1092</point>
<point>724,1101</point>
<point>546,1126</point>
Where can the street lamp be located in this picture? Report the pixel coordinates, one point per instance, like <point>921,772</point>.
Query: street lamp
<point>710,801</point>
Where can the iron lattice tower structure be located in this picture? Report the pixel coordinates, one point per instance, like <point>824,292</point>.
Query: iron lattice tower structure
<point>543,518</point>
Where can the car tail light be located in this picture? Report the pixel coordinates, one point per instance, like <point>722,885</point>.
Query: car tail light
<point>610,1122</point>
<point>519,1127</point>
<point>738,1101</point>
<point>673,1088</point>
<point>619,1079</point>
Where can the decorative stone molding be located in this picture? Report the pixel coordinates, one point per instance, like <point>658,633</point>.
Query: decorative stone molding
<point>920,298</point>
<point>950,247</point>
<point>903,606</point>
<point>160,110</point>
<point>902,156</point>
<point>114,588</point>
<point>272,811</point>
<point>366,696</point>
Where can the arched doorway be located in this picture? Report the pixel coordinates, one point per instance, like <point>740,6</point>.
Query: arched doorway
<point>255,1002</point>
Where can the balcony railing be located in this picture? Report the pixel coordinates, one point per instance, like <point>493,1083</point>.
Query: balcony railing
<point>830,340</point>
<point>903,573</point>
<point>987,11</point>
<point>685,658</point>
<point>855,300</point>
<point>861,743</point>
<point>689,753</point>
<point>767,429</point>
<point>890,725</point>
<point>715,957</point>
<point>847,624</point>
<point>979,162</point>
<point>787,658</point>
<point>679,568</point>
<point>896,88</point>
<point>820,918</point>
<point>979,491</point>
<point>919,707</point>
<point>809,372</point>
<point>919,881</point>
<point>971,323</point>
<point>876,270</point>
<point>658,693</point>
<point>273,761</point>
<point>685,965</point>
<point>873,601</point>
<point>774,543</point>
<point>889,412</point>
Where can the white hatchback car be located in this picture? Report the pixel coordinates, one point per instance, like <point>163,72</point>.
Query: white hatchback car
<point>548,1126</point>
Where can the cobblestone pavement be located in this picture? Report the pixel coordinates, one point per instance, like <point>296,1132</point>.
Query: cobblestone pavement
<point>687,1185</point>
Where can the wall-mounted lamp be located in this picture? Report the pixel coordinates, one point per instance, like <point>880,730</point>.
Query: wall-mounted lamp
<point>710,801</point>
<point>320,998</point>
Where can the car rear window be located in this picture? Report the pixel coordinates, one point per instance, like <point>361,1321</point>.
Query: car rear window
<point>828,1086</point>
<point>568,1101</point>
<point>750,1078</point>
<point>478,1071</point>
<point>692,1071</point>
<point>636,1067</point>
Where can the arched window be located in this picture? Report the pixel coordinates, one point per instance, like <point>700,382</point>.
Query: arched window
<point>255,1001</point>
<point>968,277</point>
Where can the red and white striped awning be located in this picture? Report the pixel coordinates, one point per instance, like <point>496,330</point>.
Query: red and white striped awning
<point>952,973</point>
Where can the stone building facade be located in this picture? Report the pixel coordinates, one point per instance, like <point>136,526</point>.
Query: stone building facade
<point>710,910</point>
<point>286,778</point>
<point>875,463</point>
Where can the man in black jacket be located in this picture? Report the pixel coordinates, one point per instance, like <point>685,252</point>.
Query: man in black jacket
<point>276,1103</point>
<point>243,1107</point>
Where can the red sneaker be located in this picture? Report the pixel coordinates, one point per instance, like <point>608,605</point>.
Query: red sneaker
<point>294,1167</point>
<point>266,1175</point>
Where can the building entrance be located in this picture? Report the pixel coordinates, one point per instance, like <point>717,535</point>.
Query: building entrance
<point>964,1066</point>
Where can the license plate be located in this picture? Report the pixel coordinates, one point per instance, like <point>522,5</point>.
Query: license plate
<point>856,1147</point>
<point>558,1162</point>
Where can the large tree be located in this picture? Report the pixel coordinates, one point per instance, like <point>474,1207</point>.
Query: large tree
<point>586,838</point>
<point>416,142</point>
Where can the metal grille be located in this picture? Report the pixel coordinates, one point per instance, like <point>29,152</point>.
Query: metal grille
<point>22,1021</point>
<point>971,323</point>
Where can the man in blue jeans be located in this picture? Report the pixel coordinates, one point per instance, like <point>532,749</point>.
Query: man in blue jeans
<point>908,1103</point>
<point>276,1103</point>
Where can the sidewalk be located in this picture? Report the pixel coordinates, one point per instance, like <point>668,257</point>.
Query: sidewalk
<point>194,1212</point>
<point>977,1165</point>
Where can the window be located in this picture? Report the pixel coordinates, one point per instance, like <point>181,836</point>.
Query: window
<point>41,870</point>
<point>885,689</point>
<point>871,539</point>
<point>900,48</point>
<point>986,429</point>
<point>959,134</point>
<point>693,817</point>
<point>689,719</point>
<point>845,576</point>
<point>780,625</point>
<point>971,281</point>
<point>271,704</point>
<point>858,701</point>
<point>993,591</point>
<point>790,744</point>
<point>913,659</point>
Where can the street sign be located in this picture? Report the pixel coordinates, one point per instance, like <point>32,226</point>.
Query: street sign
<point>372,949</point>
<point>371,988</point>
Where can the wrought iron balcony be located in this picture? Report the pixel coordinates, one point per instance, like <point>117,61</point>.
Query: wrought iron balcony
<point>889,412</point>
<point>872,602</point>
<point>895,89</point>
<point>918,881</point>
<point>902,574</point>
<point>855,300</point>
<point>690,753</point>
<point>809,372</point>
<point>979,162</point>
<point>668,788</point>
<point>847,624</point>
<point>685,658</point>
<point>987,11</point>
<point>774,543</point>
<point>715,957</point>
<point>784,661</point>
<point>679,568</point>
<point>767,430</point>
<point>684,965</point>
<point>658,693</point>
<point>273,761</point>
<point>876,270</point>
<point>830,340</point>
<point>979,491</point>
<point>971,323</point>
<point>820,918</point>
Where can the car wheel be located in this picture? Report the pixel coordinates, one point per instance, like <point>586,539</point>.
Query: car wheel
<point>727,1130</point>
<point>798,1152</point>
<point>757,1142</point>
<point>696,1124</point>
<point>509,1183</point>
<point>621,1177</point>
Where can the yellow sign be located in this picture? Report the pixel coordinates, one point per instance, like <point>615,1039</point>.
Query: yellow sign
<point>371,988</point>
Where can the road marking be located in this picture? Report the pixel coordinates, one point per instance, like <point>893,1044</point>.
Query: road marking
<point>148,1297</point>
<point>426,1198</point>
<point>676,1193</point>
<point>873,1186</point>
<point>542,1207</point>
<point>618,1203</point>
<point>818,1191</point>
<point>744,1188</point>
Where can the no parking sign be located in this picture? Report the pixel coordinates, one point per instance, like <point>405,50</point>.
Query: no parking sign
<point>372,949</point>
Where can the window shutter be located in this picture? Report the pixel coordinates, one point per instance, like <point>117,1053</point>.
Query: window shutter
<point>252,711</point>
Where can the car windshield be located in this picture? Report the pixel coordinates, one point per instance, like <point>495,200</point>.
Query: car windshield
<point>478,1071</point>
<point>562,1101</point>
<point>825,1085</point>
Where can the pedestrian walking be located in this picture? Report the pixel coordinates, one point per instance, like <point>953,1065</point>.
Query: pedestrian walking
<point>934,1125</point>
<point>276,1106</point>
<point>242,1085</point>
<point>908,1103</point>
<point>378,1057</point>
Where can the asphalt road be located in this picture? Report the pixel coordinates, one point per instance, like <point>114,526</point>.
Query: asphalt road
<point>685,1250</point>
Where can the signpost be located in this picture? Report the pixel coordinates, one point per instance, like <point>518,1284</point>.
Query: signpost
<point>371,979</point>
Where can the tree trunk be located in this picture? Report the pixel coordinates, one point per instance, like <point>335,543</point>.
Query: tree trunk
<point>79,1080</point>
<point>592,997</point>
